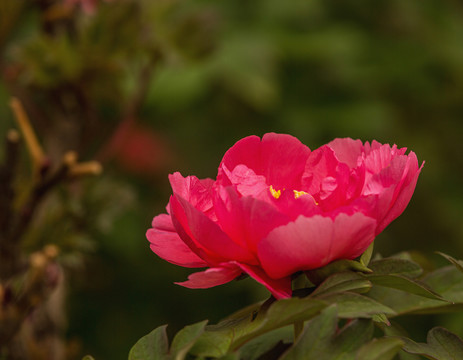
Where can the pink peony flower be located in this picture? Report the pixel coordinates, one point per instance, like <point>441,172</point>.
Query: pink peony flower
<point>277,208</point>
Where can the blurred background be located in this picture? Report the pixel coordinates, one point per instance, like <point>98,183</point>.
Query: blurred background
<point>149,87</point>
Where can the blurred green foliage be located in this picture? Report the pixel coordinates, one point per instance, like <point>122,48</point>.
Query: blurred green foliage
<point>201,75</point>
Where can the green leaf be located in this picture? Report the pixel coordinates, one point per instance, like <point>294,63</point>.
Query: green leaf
<point>441,345</point>
<point>405,303</point>
<point>417,257</point>
<point>447,281</point>
<point>381,319</point>
<point>380,349</point>
<point>185,339</point>
<point>216,340</point>
<point>353,305</point>
<point>403,283</point>
<point>317,276</point>
<point>457,263</point>
<point>344,281</point>
<point>250,310</point>
<point>231,334</point>
<point>281,313</point>
<point>395,266</point>
<point>320,341</point>
<point>366,256</point>
<point>153,346</point>
<point>316,337</point>
<point>351,338</point>
<point>394,329</point>
<point>266,342</point>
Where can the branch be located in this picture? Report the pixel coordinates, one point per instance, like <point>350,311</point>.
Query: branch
<point>36,152</point>
<point>8,249</point>
<point>7,172</point>
<point>16,225</point>
<point>68,169</point>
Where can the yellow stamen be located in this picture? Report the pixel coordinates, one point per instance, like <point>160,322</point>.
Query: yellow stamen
<point>275,193</point>
<point>298,194</point>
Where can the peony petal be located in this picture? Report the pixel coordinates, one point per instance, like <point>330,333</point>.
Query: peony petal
<point>246,220</point>
<point>196,191</point>
<point>280,288</point>
<point>401,195</point>
<point>206,234</point>
<point>293,207</point>
<point>393,184</point>
<point>357,178</point>
<point>352,235</point>
<point>334,191</point>
<point>211,277</point>
<point>382,156</point>
<point>247,182</point>
<point>166,243</point>
<point>283,159</point>
<point>321,164</point>
<point>393,175</point>
<point>366,205</point>
<point>347,150</point>
<point>244,152</point>
<point>180,222</point>
<point>280,158</point>
<point>331,182</point>
<point>377,145</point>
<point>310,243</point>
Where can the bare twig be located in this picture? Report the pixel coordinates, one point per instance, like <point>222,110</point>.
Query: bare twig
<point>8,250</point>
<point>7,171</point>
<point>68,169</point>
<point>85,168</point>
<point>35,149</point>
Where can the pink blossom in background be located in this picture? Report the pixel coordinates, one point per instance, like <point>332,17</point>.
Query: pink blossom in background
<point>277,208</point>
<point>137,149</point>
<point>143,151</point>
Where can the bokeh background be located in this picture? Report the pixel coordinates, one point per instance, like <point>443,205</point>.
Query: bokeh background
<point>149,87</point>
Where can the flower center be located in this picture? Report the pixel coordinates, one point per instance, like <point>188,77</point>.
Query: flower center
<point>275,193</point>
<point>297,194</point>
